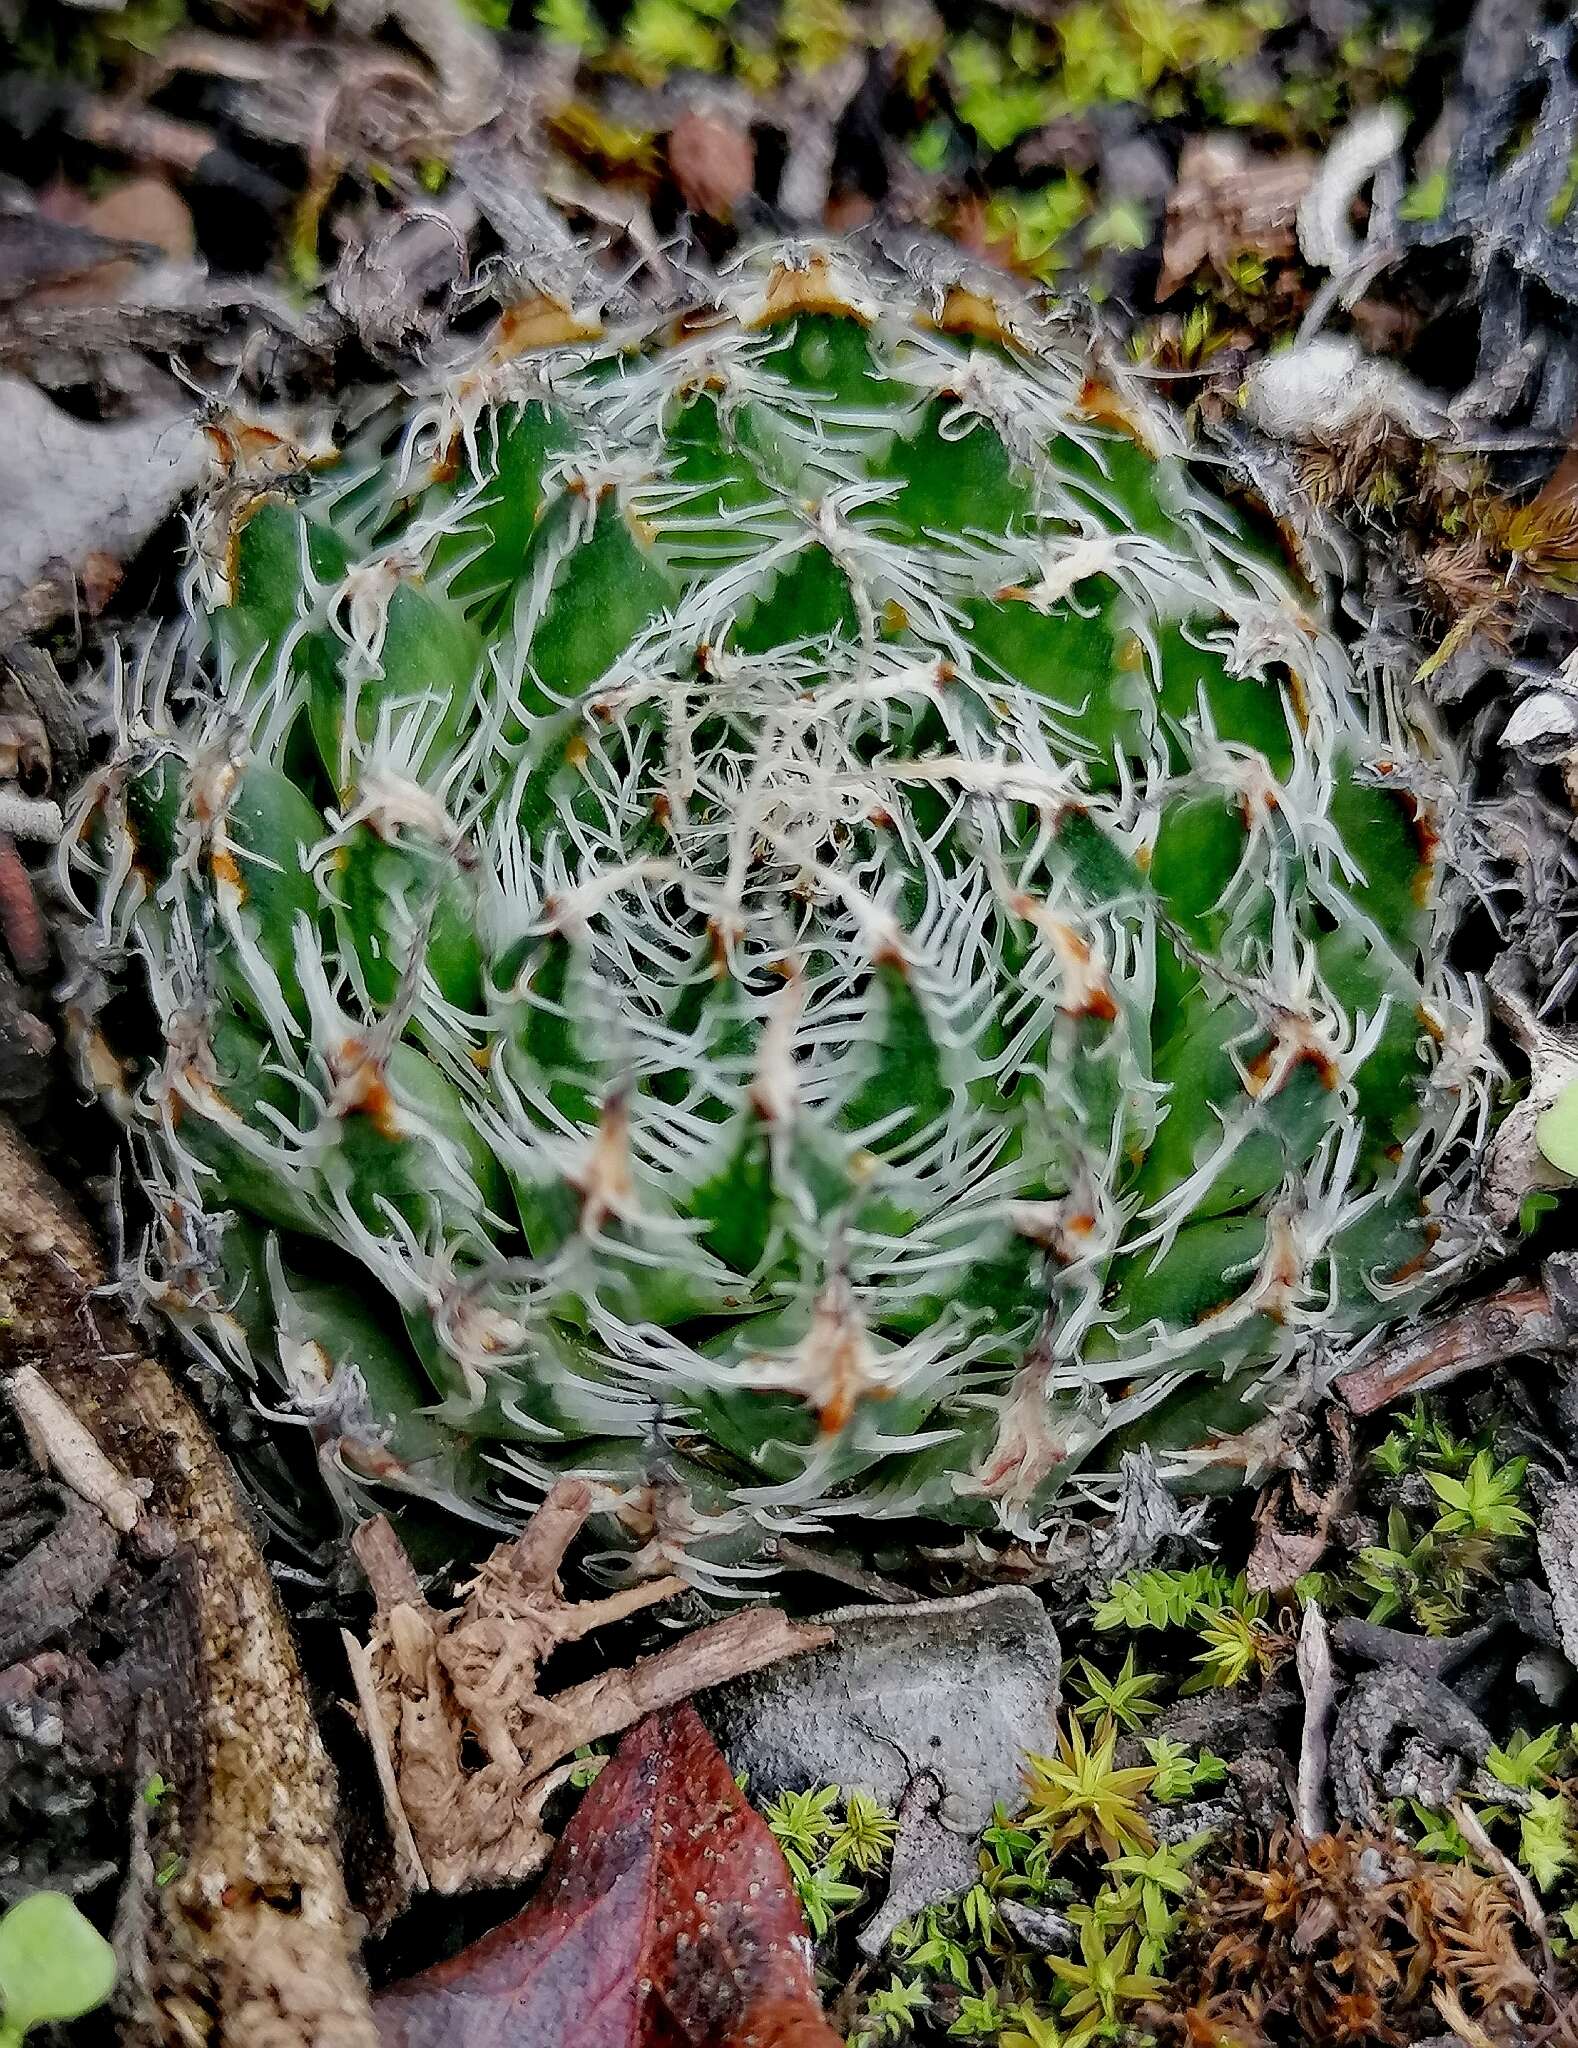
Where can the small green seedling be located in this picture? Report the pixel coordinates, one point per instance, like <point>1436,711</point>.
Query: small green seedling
<point>1128,1698</point>
<point>54,1965</point>
<point>1556,1133</point>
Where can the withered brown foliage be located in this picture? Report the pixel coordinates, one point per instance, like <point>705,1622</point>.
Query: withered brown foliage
<point>1470,554</point>
<point>1354,1940</point>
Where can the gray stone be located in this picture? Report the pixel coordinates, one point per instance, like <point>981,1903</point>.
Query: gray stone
<point>956,1690</point>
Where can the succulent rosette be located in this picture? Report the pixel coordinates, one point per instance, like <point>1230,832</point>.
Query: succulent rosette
<point>780,908</point>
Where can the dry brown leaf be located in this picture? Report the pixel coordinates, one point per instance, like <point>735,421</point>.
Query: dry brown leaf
<point>438,1686</point>
<point>1228,203</point>
<point>667,1919</point>
<point>1294,1514</point>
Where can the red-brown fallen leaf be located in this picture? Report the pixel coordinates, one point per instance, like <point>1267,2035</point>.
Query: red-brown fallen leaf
<point>666,1919</point>
<point>20,923</point>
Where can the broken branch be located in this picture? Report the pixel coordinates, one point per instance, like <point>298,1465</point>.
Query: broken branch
<point>252,1940</point>
<point>1512,1324</point>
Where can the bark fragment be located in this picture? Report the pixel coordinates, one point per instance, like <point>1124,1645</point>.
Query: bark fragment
<point>1518,1321</point>
<point>250,1944</point>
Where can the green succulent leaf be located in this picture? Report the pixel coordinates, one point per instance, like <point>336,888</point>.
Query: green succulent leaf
<point>1556,1130</point>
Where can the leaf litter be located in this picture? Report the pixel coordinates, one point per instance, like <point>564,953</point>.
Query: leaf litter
<point>469,1750</point>
<point>666,1919</point>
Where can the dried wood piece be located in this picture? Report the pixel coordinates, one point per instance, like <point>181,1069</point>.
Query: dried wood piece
<point>432,1683</point>
<point>139,132</point>
<point>251,1944</point>
<point>47,737</point>
<point>55,1582</point>
<point>1430,1656</point>
<point>800,1557</point>
<point>72,1452</point>
<point>1512,1324</point>
<point>1395,1702</point>
<point>1320,1700</point>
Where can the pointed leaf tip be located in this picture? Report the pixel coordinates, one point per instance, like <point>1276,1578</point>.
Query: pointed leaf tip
<point>666,1919</point>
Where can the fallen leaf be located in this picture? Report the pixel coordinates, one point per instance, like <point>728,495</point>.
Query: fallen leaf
<point>666,1919</point>
<point>1229,203</point>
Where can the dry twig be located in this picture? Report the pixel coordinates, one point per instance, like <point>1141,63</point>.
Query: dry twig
<point>1320,1701</point>
<point>1519,1320</point>
<point>431,1683</point>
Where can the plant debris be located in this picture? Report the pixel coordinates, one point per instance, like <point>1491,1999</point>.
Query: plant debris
<point>1518,1322</point>
<point>78,491</point>
<point>437,1687</point>
<point>1558,1547</point>
<point>666,1919</point>
<point>235,1929</point>
<point>1294,1515</point>
<point>313,200</point>
<point>713,161</point>
<point>1227,204</point>
<point>1347,1939</point>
